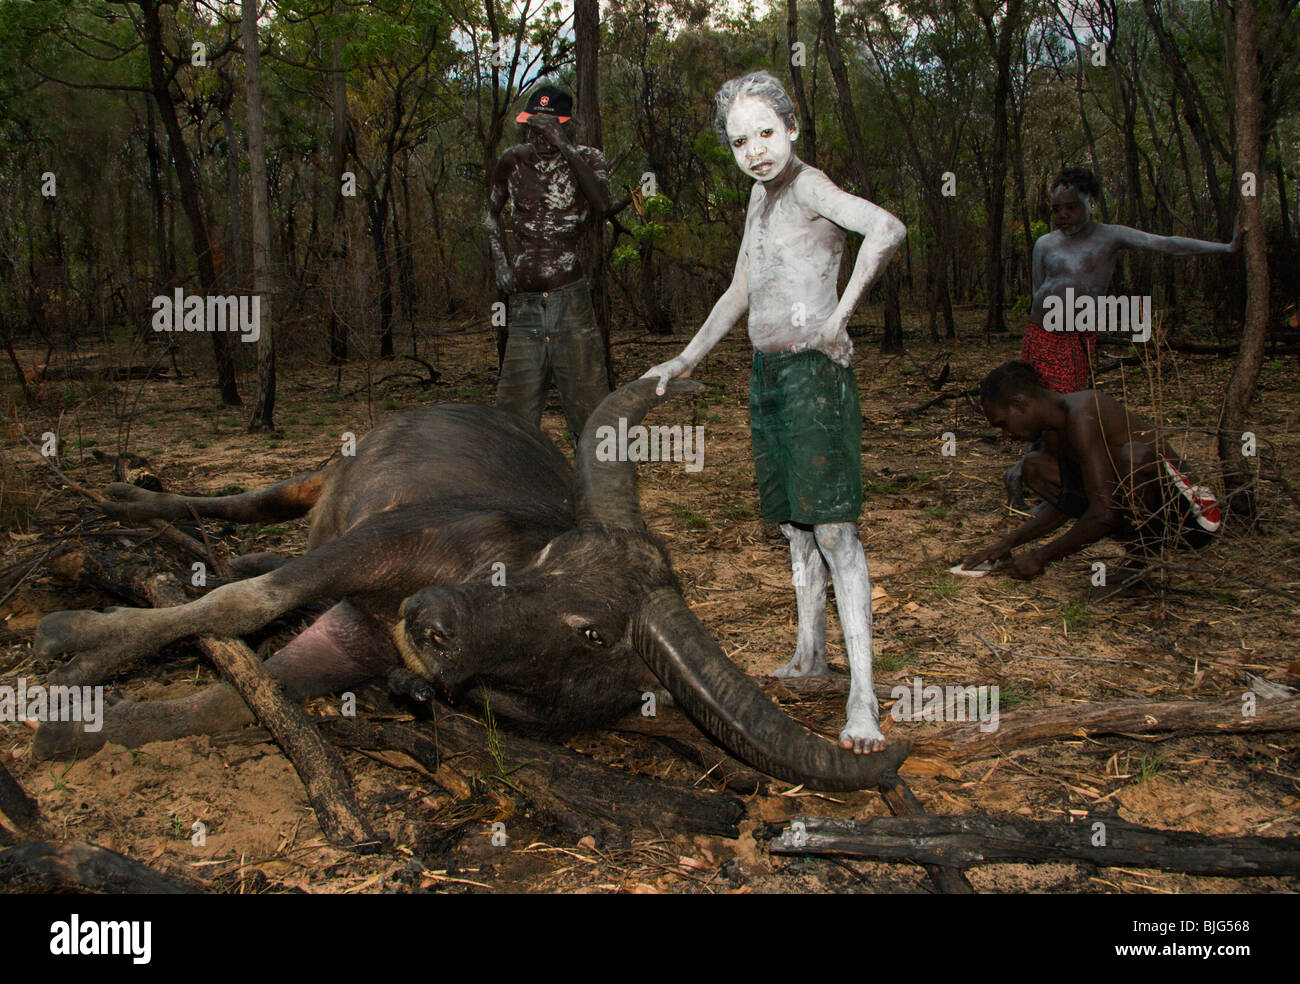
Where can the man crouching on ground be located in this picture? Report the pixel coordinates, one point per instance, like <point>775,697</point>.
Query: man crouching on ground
<point>1101,465</point>
<point>803,399</point>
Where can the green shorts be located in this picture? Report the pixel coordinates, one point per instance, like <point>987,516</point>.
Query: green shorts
<point>806,428</point>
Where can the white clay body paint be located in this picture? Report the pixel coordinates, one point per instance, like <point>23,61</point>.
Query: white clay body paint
<point>794,255</point>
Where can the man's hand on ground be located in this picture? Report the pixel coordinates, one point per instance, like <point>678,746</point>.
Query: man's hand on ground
<point>1022,566</point>
<point>999,551</point>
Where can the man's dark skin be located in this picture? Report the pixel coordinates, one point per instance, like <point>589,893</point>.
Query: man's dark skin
<point>548,234</point>
<point>1117,452</point>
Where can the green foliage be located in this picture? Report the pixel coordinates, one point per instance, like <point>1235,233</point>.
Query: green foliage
<point>625,254</point>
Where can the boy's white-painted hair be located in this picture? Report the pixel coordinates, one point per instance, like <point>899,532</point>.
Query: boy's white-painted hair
<point>761,85</point>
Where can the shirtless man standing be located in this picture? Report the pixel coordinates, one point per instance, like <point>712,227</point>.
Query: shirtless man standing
<point>805,421</point>
<point>554,187</point>
<point>1080,255</point>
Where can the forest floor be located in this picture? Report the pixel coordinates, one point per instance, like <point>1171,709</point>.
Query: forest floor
<point>1219,614</point>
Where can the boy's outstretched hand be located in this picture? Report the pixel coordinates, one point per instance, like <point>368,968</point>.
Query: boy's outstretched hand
<point>668,371</point>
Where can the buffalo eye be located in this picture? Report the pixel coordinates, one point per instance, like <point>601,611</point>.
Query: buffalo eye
<point>593,636</point>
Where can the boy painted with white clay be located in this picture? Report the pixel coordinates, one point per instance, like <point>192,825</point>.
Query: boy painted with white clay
<point>804,416</point>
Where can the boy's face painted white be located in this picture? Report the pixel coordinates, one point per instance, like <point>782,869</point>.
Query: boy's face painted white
<point>758,138</point>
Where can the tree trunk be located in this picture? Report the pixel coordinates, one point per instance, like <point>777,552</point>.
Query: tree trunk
<point>893,337</point>
<point>379,239</point>
<point>807,122</point>
<point>338,328</point>
<point>1250,357</point>
<point>959,842</point>
<point>586,31</point>
<point>191,199</point>
<point>262,418</point>
<point>994,320</point>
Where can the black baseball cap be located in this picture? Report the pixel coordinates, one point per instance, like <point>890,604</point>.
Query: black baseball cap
<point>549,100</point>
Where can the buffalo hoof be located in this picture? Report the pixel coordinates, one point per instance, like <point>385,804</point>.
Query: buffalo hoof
<point>128,502</point>
<point>68,632</point>
<point>65,739</point>
<point>100,641</point>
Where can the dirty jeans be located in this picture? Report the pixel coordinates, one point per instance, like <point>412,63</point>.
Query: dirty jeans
<point>554,333</point>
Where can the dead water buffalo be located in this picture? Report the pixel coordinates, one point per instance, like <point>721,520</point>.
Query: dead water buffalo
<point>412,537</point>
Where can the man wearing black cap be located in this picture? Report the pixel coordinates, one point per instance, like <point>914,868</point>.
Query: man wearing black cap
<point>554,187</point>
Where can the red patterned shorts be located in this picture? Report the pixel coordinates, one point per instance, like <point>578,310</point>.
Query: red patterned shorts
<point>1061,358</point>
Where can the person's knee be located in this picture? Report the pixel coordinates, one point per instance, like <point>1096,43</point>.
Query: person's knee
<point>836,538</point>
<point>1039,471</point>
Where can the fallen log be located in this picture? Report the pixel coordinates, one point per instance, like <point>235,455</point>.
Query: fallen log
<point>962,841</point>
<point>961,742</point>
<point>903,803</point>
<point>579,795</point>
<point>74,866</point>
<point>965,742</point>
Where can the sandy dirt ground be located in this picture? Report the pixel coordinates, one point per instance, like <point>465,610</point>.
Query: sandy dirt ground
<point>1217,616</point>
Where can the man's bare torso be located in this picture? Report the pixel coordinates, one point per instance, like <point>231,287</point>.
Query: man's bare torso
<point>1085,261</point>
<point>550,214</point>
<point>793,266</point>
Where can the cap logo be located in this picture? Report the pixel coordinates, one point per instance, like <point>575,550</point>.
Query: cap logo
<point>544,100</point>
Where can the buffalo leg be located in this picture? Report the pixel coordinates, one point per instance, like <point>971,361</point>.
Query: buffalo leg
<point>343,648</point>
<point>358,563</point>
<point>286,500</point>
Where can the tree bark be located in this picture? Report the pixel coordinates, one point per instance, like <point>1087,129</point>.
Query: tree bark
<point>807,121</point>
<point>338,327</point>
<point>962,841</point>
<point>586,34</point>
<point>74,866</point>
<point>191,199</point>
<point>1001,40</point>
<point>1250,357</point>
<point>580,795</point>
<point>262,418</point>
<point>893,337</point>
<point>964,742</point>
